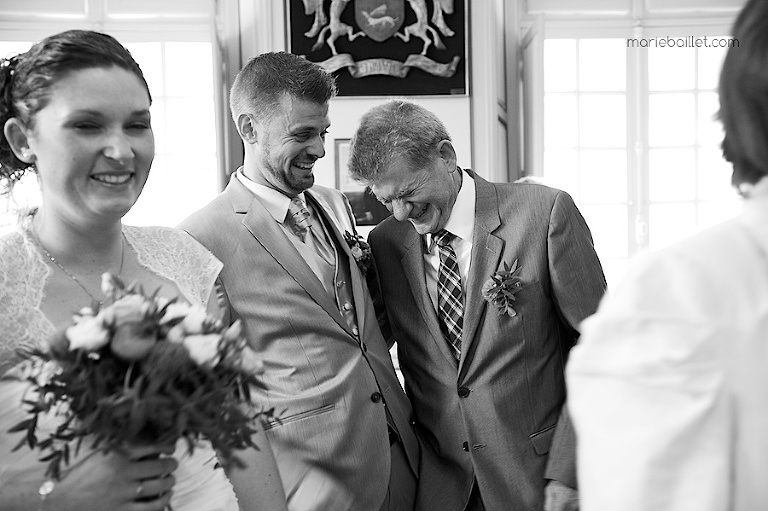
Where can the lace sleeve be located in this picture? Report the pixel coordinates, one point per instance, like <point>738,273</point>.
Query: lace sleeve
<point>23,276</point>
<point>176,256</point>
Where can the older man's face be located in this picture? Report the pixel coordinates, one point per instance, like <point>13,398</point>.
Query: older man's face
<point>423,196</point>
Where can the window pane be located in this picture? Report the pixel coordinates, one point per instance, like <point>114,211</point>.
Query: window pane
<point>150,59</point>
<point>192,127</point>
<point>154,201</point>
<point>609,226</point>
<point>603,176</point>
<point>189,181</point>
<point>561,170</point>
<point>159,125</point>
<point>669,223</point>
<point>560,120</point>
<point>559,65</point>
<point>672,120</point>
<point>180,78</point>
<point>671,68</point>
<point>714,176</point>
<point>188,70</point>
<point>672,174</point>
<point>594,72</point>
<point>710,129</point>
<point>710,62</point>
<point>602,121</point>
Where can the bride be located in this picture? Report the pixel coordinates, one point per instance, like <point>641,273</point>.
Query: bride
<point>75,110</point>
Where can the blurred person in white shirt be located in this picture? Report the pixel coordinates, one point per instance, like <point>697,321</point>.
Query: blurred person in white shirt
<point>668,387</point>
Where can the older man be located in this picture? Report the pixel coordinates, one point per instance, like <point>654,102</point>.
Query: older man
<point>484,286</point>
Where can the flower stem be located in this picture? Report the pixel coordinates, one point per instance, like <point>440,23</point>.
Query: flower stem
<point>127,380</point>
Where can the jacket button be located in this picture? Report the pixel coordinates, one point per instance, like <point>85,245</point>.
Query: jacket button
<point>355,331</point>
<point>339,284</point>
<point>347,307</point>
<point>463,392</point>
<point>375,397</point>
<point>465,446</point>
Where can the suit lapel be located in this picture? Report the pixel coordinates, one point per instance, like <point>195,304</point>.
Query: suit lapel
<point>415,275</point>
<point>262,226</point>
<point>487,249</point>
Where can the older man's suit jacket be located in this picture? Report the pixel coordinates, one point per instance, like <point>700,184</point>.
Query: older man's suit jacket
<point>493,414</point>
<point>327,382</point>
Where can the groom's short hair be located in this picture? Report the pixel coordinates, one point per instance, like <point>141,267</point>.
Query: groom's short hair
<point>260,85</point>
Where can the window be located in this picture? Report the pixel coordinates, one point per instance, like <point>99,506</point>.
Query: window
<point>172,42</point>
<point>183,177</point>
<point>585,137</point>
<point>687,179</point>
<point>630,132</point>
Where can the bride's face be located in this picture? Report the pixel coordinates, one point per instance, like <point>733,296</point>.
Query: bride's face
<point>93,144</point>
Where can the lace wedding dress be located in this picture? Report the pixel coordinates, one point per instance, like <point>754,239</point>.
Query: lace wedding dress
<point>24,273</point>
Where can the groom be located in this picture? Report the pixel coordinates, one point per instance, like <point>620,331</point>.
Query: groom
<point>290,276</point>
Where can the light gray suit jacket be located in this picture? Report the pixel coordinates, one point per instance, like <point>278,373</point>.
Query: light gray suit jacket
<point>494,414</point>
<point>325,382</point>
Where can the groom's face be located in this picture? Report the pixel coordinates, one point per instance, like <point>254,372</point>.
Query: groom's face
<point>290,142</point>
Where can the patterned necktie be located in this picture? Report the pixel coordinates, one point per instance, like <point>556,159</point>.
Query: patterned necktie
<point>298,218</point>
<point>450,303</point>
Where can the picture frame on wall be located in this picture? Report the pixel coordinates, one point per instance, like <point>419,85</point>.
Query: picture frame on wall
<point>366,208</point>
<point>384,47</point>
<point>344,183</point>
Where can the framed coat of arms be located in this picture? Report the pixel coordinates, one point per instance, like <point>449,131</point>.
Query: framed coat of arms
<point>384,47</point>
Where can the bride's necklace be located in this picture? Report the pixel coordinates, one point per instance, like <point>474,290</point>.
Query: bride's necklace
<point>70,274</point>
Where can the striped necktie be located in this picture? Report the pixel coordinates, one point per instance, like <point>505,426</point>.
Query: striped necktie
<point>450,303</point>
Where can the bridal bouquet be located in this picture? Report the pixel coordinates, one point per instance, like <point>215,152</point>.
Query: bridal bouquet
<point>141,369</point>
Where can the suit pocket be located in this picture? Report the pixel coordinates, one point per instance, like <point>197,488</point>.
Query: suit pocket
<point>282,421</point>
<point>541,440</point>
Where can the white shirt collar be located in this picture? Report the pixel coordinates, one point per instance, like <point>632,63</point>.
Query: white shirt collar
<point>461,223</point>
<point>275,201</point>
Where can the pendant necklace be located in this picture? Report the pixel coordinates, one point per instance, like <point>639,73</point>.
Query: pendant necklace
<point>70,274</point>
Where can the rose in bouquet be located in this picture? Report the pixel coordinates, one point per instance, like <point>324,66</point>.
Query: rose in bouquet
<point>141,369</point>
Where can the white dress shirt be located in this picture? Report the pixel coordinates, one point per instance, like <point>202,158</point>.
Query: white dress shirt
<point>461,223</point>
<point>276,202</point>
<point>668,388</point>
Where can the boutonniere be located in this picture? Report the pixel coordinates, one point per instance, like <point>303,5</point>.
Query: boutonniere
<point>361,250</point>
<point>500,289</point>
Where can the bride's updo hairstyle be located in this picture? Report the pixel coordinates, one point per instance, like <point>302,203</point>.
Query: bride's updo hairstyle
<point>26,81</point>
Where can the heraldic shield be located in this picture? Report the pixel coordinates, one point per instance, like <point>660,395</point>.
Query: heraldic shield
<point>379,19</point>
